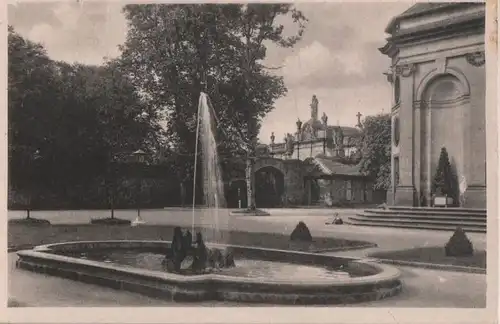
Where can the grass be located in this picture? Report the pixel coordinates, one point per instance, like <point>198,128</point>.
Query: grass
<point>434,255</point>
<point>22,236</point>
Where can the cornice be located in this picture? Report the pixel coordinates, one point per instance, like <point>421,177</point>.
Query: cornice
<point>397,19</point>
<point>419,104</point>
<point>396,107</point>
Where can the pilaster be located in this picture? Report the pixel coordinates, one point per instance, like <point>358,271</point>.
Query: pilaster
<point>405,189</point>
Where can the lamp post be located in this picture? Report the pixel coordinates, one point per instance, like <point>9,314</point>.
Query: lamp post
<point>139,158</point>
<point>111,196</point>
<point>36,157</point>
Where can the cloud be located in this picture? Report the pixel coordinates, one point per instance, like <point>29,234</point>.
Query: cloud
<point>316,65</point>
<point>340,105</point>
<point>70,31</point>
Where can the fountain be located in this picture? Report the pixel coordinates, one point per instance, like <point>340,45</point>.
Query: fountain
<point>209,268</point>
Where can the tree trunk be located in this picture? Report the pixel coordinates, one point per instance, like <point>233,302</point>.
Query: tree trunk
<point>250,180</point>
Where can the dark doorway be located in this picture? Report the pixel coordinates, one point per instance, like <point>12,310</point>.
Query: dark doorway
<point>314,191</point>
<point>269,187</point>
<point>237,194</point>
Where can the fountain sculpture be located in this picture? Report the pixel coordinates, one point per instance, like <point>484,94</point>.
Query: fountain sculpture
<point>203,258</point>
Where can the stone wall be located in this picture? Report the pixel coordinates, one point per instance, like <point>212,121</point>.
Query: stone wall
<point>336,190</point>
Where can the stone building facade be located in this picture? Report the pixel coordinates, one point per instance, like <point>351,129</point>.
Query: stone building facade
<point>316,137</point>
<point>314,166</point>
<point>438,77</point>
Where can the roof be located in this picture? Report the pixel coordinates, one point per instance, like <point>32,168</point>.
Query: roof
<point>346,130</point>
<point>421,9</point>
<point>331,166</point>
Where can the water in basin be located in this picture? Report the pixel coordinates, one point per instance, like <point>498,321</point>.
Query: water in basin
<point>249,268</point>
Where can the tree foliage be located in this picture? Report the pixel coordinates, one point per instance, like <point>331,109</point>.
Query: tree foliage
<point>445,180</point>
<point>66,121</point>
<point>174,52</point>
<point>375,148</point>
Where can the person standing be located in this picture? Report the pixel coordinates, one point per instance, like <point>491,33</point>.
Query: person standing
<point>462,189</point>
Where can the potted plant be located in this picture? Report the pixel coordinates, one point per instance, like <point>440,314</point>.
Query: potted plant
<point>444,187</point>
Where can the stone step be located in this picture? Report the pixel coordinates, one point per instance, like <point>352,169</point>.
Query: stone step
<point>436,227</point>
<point>392,213</point>
<point>444,210</point>
<point>406,220</point>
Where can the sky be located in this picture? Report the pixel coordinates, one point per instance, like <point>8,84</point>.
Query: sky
<point>337,59</point>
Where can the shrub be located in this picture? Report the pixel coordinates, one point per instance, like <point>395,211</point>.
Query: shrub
<point>459,245</point>
<point>445,181</point>
<point>301,233</point>
<point>29,221</point>
<point>110,221</point>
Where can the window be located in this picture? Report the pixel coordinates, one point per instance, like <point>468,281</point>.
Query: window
<point>395,129</point>
<point>397,90</point>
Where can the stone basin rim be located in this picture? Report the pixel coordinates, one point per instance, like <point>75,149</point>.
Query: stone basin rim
<point>385,272</point>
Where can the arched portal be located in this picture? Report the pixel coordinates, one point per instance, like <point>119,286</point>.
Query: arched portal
<point>444,110</point>
<point>269,187</point>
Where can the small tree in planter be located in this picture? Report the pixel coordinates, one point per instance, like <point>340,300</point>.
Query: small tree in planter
<point>459,245</point>
<point>445,181</point>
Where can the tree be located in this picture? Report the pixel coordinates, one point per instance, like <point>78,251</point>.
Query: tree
<point>72,118</point>
<point>375,148</point>
<point>174,52</point>
<point>445,181</point>
<point>31,87</point>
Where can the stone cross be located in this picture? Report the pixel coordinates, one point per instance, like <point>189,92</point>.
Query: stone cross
<point>359,117</point>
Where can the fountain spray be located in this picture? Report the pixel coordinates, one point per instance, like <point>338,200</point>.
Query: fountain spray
<point>213,186</point>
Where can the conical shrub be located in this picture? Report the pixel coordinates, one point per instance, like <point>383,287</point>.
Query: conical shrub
<point>445,180</point>
<point>459,245</point>
<point>301,233</point>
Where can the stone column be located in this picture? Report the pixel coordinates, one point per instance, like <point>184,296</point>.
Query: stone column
<point>405,190</point>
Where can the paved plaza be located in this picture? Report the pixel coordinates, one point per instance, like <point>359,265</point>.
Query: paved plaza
<point>280,221</point>
<point>422,287</point>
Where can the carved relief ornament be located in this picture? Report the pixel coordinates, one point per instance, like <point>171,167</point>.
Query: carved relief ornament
<point>404,70</point>
<point>476,58</point>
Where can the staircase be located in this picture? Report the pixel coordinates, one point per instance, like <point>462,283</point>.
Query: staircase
<point>445,219</point>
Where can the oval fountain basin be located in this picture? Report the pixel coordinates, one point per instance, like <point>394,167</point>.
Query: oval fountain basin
<point>260,275</point>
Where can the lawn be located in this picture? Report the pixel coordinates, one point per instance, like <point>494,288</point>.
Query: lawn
<point>434,255</point>
<point>25,236</point>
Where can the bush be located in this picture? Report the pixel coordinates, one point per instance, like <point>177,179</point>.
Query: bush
<point>110,221</point>
<point>445,181</point>
<point>29,221</point>
<point>301,233</point>
<point>459,245</point>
